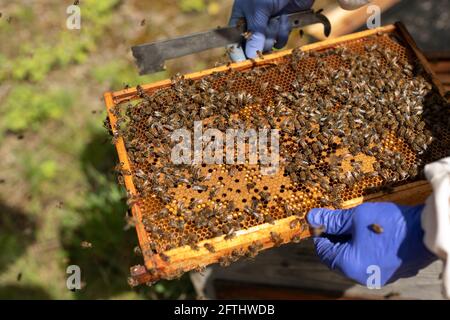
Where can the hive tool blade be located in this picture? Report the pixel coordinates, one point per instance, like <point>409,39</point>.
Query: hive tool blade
<point>151,57</point>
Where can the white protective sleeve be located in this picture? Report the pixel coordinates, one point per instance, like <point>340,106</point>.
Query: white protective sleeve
<point>436,216</point>
<point>352,4</point>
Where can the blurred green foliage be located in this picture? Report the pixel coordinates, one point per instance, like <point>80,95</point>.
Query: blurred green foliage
<point>39,172</point>
<point>26,107</point>
<point>38,59</point>
<point>192,5</point>
<point>106,265</point>
<point>60,171</point>
<point>118,74</point>
<point>12,242</point>
<point>101,219</point>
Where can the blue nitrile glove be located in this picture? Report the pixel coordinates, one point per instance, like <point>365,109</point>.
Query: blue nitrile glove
<point>350,244</point>
<point>264,35</point>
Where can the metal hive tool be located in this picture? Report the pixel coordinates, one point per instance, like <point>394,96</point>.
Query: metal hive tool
<point>289,202</point>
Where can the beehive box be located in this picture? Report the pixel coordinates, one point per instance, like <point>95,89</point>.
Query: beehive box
<point>284,212</point>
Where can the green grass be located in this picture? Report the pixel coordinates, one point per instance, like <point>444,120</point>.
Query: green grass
<point>38,59</point>
<point>118,74</point>
<point>59,187</point>
<point>192,5</point>
<point>26,107</point>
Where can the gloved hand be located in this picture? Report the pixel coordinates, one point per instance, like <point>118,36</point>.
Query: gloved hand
<point>264,35</point>
<point>350,244</point>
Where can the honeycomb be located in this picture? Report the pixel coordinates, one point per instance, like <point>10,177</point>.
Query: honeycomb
<point>246,182</point>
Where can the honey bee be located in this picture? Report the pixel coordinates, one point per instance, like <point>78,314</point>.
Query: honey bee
<point>276,238</point>
<point>254,248</point>
<point>230,234</point>
<point>277,88</point>
<point>293,224</point>
<point>231,206</point>
<point>137,251</point>
<point>264,196</point>
<point>209,247</point>
<point>194,203</point>
<point>164,257</point>
<point>246,35</point>
<point>236,254</point>
<point>259,54</point>
<point>232,171</point>
<point>200,269</point>
<point>288,209</point>
<point>133,282</point>
<point>269,219</point>
<point>194,246</point>
<point>86,245</point>
<point>213,192</point>
<point>296,238</point>
<point>199,188</point>
<point>250,185</point>
<point>376,228</point>
<point>263,87</point>
<point>253,212</point>
<point>230,49</point>
<point>224,261</point>
<point>132,199</point>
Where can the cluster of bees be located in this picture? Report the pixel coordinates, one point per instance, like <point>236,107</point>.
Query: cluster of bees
<point>327,117</point>
<point>360,107</point>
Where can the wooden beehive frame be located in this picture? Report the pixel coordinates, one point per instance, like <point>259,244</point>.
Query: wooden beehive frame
<point>183,259</point>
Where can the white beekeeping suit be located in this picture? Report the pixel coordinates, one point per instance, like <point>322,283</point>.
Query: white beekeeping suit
<point>436,216</point>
